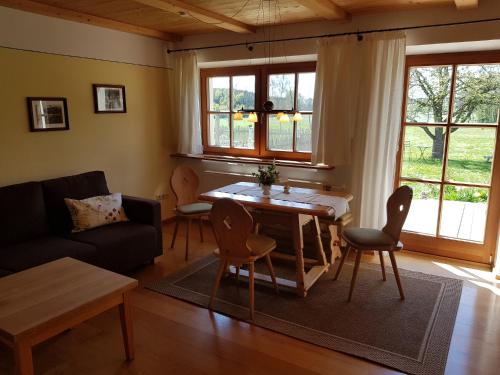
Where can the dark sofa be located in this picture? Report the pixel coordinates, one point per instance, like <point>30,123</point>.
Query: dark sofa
<point>35,227</point>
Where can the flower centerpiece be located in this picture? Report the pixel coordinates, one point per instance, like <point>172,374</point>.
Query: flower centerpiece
<point>266,177</point>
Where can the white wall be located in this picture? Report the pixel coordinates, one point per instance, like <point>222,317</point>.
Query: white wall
<point>449,39</point>
<point>226,170</point>
<point>29,31</point>
<point>65,58</point>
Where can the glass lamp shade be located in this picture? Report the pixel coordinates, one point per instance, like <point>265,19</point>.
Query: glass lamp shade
<point>252,117</point>
<point>297,117</point>
<point>238,116</point>
<point>284,118</point>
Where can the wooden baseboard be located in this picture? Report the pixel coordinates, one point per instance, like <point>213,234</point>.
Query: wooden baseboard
<point>445,258</point>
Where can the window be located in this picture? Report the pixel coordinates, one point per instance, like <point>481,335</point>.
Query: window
<point>231,95</point>
<point>449,140</point>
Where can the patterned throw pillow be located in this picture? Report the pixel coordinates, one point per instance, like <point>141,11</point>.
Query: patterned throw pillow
<point>96,211</point>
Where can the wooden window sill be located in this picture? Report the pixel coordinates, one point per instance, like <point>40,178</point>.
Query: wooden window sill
<point>250,160</point>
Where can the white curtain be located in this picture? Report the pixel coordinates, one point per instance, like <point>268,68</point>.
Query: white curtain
<point>333,100</point>
<point>357,116</point>
<point>186,99</point>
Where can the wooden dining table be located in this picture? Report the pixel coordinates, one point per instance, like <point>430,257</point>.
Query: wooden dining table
<point>292,209</point>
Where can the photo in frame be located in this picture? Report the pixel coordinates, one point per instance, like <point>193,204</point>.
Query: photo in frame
<point>48,114</point>
<point>109,98</point>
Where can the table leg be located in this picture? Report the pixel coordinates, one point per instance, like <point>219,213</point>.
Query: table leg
<point>23,358</point>
<point>335,243</point>
<point>298,245</point>
<point>316,232</point>
<point>127,327</point>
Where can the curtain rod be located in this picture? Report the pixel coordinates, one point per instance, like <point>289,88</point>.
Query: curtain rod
<point>359,33</point>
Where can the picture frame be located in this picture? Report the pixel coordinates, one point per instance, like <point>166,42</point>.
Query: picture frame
<point>109,98</point>
<point>47,114</point>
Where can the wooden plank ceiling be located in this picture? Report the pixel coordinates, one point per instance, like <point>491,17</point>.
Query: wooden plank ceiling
<point>172,19</point>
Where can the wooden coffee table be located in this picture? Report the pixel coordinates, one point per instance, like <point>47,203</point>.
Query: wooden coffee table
<point>44,301</point>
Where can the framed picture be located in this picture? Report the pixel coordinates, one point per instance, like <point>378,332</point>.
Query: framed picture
<point>48,114</point>
<point>109,98</point>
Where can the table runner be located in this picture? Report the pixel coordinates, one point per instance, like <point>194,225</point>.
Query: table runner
<point>338,204</point>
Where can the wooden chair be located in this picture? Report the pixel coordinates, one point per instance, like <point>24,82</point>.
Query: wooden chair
<point>233,227</point>
<point>387,239</point>
<point>184,183</point>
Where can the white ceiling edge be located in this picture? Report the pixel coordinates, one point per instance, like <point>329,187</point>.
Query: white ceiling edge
<point>481,45</point>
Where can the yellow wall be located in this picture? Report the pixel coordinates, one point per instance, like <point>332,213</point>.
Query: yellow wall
<point>133,148</point>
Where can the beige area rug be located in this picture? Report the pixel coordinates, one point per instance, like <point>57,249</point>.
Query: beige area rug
<point>412,336</point>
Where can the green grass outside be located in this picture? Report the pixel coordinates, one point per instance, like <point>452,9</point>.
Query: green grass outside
<point>280,134</point>
<point>467,153</point>
<point>467,162</point>
<point>451,192</point>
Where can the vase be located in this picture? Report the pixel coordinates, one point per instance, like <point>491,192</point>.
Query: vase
<point>266,190</point>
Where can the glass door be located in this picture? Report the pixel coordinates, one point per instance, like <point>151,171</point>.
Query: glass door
<point>447,154</point>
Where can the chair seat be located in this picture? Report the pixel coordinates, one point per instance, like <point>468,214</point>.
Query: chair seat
<point>370,239</point>
<point>259,244</point>
<point>194,208</point>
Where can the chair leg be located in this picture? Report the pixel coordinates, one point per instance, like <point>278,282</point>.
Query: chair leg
<point>188,229</point>
<point>200,223</point>
<point>172,244</point>
<point>238,274</point>
<point>381,257</point>
<point>271,272</point>
<point>396,274</point>
<point>251,268</point>
<point>355,273</point>
<point>220,272</point>
<point>227,271</point>
<point>341,265</point>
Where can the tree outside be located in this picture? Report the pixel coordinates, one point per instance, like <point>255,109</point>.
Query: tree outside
<point>470,149</point>
<point>476,100</point>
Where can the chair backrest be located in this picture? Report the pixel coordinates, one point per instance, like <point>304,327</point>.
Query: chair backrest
<point>184,183</point>
<point>232,225</point>
<point>398,206</point>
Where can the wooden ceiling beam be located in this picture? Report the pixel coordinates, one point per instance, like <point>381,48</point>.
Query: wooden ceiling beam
<point>71,15</point>
<point>466,4</point>
<point>325,8</point>
<point>200,14</point>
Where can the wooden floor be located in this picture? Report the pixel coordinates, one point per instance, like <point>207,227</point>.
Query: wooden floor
<point>174,337</point>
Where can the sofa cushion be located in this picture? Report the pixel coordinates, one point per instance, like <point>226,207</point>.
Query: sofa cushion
<point>96,211</point>
<point>121,246</point>
<point>22,213</point>
<point>4,273</point>
<point>32,253</point>
<point>80,186</point>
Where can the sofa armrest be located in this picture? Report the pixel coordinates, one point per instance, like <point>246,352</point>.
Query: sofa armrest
<point>145,211</point>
